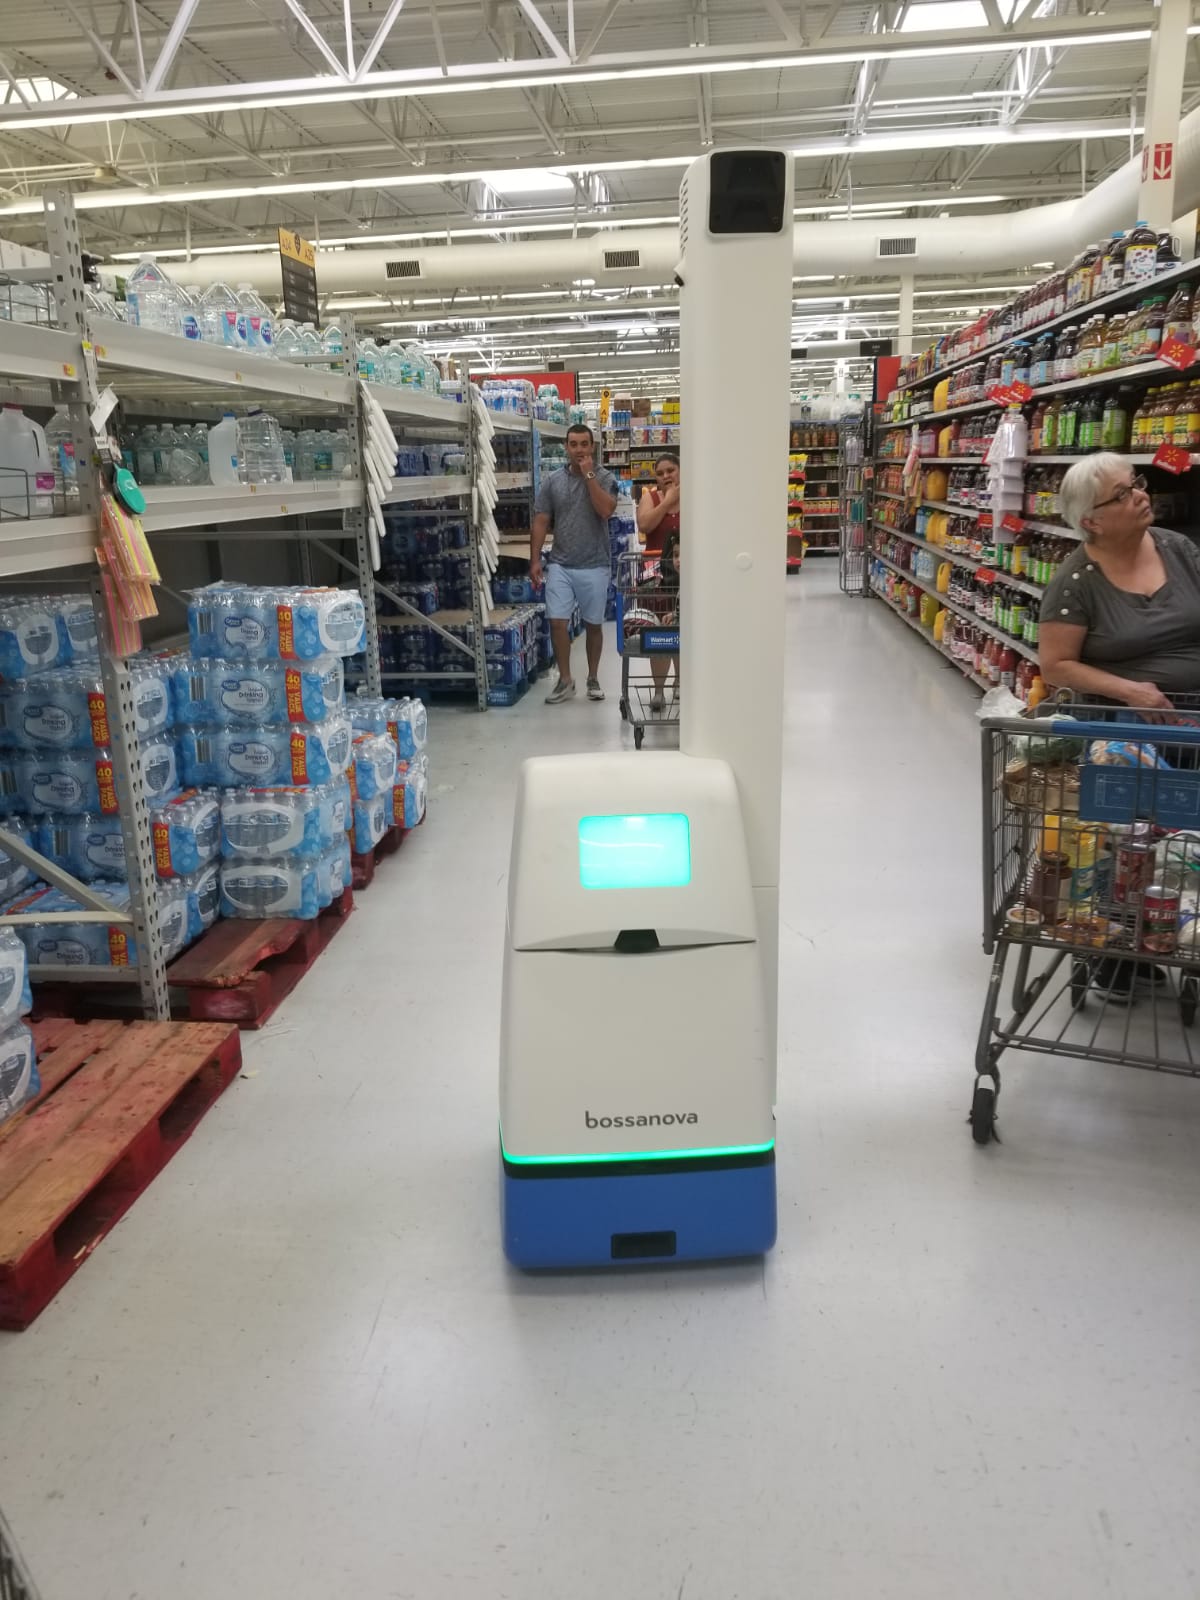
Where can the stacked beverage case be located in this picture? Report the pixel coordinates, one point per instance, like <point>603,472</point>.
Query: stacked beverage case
<point>253,720</point>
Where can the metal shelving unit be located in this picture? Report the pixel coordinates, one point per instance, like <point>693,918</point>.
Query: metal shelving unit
<point>853,495</point>
<point>155,374</point>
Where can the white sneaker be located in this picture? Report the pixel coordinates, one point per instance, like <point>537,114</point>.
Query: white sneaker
<point>595,692</point>
<point>562,690</point>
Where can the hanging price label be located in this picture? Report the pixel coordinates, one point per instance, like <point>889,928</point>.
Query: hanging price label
<point>985,522</point>
<point>1173,457</point>
<point>1177,354</point>
<point>1012,522</point>
<point>1020,391</point>
<point>999,394</point>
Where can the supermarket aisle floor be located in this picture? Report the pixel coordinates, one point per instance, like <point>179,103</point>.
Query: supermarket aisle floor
<point>300,1366</point>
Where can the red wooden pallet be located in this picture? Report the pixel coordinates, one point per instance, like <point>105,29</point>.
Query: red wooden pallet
<point>240,971</point>
<point>362,867</point>
<point>118,1099</point>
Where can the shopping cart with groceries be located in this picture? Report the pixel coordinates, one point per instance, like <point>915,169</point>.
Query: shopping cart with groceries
<point>1091,883</point>
<point>648,639</point>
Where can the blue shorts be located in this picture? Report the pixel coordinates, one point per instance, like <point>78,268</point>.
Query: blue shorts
<point>568,587</point>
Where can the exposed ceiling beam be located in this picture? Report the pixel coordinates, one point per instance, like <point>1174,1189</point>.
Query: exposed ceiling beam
<point>1116,28</point>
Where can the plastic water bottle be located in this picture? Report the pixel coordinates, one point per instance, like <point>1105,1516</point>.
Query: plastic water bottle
<point>287,340</point>
<point>151,300</point>
<point>223,451</point>
<point>60,441</point>
<point>331,343</point>
<point>310,344</point>
<point>306,441</point>
<point>219,317</point>
<point>289,455</point>
<point>200,446</point>
<point>26,471</point>
<point>189,312</point>
<point>184,465</point>
<point>255,323</point>
<point>145,443</point>
<point>341,453</point>
<point>323,449</point>
<point>370,360</point>
<point>260,448</point>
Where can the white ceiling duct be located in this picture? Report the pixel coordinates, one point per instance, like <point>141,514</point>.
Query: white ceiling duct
<point>866,247</point>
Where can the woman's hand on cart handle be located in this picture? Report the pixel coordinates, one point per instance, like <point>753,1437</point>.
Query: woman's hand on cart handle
<point>1147,697</point>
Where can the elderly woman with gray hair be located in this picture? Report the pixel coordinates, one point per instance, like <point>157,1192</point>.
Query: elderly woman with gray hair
<point>1121,620</point>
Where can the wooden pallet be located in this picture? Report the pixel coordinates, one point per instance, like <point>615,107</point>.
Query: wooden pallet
<point>118,1099</point>
<point>362,867</point>
<point>240,971</point>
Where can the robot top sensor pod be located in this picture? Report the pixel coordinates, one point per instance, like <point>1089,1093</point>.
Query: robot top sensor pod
<point>637,1071</point>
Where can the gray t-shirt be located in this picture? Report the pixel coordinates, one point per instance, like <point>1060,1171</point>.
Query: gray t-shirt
<point>580,532</point>
<point>1147,638</point>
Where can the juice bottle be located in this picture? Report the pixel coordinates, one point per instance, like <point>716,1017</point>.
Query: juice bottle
<point>1160,413</point>
<point>1192,412</point>
<point>1116,262</point>
<point>1068,428</point>
<point>1139,432</point>
<point>1140,254</point>
<point>1177,321</point>
<point>1090,415</point>
<point>1152,331</point>
<point>1114,424</point>
<point>1168,252</point>
<point>1110,350</point>
<point>1066,356</point>
<point>1087,352</point>
<point>1050,427</point>
<point>1089,264</point>
<point>1108,277</point>
<point>1036,424</point>
<point>1177,409</point>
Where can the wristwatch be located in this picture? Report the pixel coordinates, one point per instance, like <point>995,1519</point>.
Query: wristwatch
<point>589,474</point>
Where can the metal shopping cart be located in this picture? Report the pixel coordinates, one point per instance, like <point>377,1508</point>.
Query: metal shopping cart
<point>648,639</point>
<point>1091,882</point>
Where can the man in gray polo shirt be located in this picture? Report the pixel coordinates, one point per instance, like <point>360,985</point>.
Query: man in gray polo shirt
<point>576,502</point>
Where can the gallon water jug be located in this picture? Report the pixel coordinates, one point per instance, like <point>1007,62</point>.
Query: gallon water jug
<point>189,312</point>
<point>219,317</point>
<point>223,451</point>
<point>150,298</point>
<point>260,448</point>
<point>26,471</point>
<point>254,321</point>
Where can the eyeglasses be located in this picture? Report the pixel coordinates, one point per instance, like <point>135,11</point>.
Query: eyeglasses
<point>1119,499</point>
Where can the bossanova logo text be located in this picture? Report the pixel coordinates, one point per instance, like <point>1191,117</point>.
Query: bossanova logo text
<point>668,1119</point>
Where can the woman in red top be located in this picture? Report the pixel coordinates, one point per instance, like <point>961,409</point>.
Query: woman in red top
<point>658,509</point>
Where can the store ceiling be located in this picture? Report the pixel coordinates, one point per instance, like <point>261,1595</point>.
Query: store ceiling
<point>182,112</point>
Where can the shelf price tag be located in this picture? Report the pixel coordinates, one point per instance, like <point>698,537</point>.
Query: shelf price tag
<point>1177,354</point>
<point>1020,391</point>
<point>985,521</point>
<point>999,394</point>
<point>1173,457</point>
<point>1011,522</point>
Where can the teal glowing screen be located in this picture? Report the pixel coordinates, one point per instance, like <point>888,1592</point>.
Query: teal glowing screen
<point>635,852</point>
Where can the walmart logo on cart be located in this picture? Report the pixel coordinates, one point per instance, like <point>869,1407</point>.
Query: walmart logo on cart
<point>668,1119</point>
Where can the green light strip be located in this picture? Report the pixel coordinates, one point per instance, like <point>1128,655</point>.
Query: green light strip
<point>636,1155</point>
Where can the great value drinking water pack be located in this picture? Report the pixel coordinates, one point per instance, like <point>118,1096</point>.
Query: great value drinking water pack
<point>88,847</point>
<point>71,781</point>
<point>42,631</point>
<point>237,622</point>
<point>19,1080</point>
<point>372,819</point>
<point>219,692</point>
<point>15,996</point>
<point>334,871</point>
<point>409,794</point>
<point>70,944</point>
<point>186,832</point>
<point>203,888</point>
<point>286,886</point>
<point>174,917</point>
<point>303,753</point>
<point>259,824</point>
<point>406,720</point>
<point>14,874</point>
<point>374,766</point>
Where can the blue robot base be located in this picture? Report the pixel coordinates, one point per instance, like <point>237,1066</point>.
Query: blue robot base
<point>609,1213</point>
